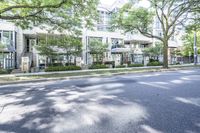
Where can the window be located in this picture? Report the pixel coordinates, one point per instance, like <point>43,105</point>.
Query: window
<point>141,46</point>
<point>7,37</point>
<point>100,28</point>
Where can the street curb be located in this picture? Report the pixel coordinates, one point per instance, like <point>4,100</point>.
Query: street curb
<point>96,75</point>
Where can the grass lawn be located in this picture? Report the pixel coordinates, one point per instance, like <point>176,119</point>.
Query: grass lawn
<point>109,72</point>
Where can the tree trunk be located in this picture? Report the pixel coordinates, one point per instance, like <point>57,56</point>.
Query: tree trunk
<point>3,59</point>
<point>75,60</point>
<point>165,54</point>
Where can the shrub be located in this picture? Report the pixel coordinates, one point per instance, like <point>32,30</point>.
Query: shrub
<point>70,64</point>
<point>109,62</point>
<point>5,71</point>
<point>9,70</point>
<point>120,66</point>
<point>153,60</point>
<point>55,64</point>
<point>135,65</point>
<point>128,62</point>
<point>97,62</point>
<point>97,66</point>
<point>155,63</point>
<point>62,68</point>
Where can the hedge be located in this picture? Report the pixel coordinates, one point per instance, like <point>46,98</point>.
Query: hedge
<point>55,64</point>
<point>120,66</point>
<point>98,66</point>
<point>5,71</point>
<point>97,62</point>
<point>155,63</point>
<point>109,62</point>
<point>135,65</point>
<point>62,68</point>
<point>70,64</point>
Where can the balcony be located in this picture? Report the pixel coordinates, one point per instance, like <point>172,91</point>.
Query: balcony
<point>119,49</point>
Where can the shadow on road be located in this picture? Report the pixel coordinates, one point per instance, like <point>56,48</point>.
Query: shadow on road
<point>140,104</point>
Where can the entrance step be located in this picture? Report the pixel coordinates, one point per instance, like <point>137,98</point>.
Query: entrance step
<point>14,71</point>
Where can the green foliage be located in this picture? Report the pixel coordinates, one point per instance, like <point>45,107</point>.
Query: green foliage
<point>2,46</point>
<point>155,63</point>
<point>97,62</point>
<point>45,46</point>
<point>62,68</point>
<point>154,52</point>
<point>135,65</point>
<point>69,64</point>
<point>152,60</point>
<point>188,43</point>
<point>97,49</point>
<point>71,45</point>
<point>50,14</point>
<point>169,14</point>
<point>109,62</point>
<point>120,66</point>
<point>5,71</point>
<point>131,19</point>
<point>54,45</point>
<point>55,64</point>
<point>98,66</point>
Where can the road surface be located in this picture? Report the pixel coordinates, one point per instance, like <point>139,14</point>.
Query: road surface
<point>160,102</point>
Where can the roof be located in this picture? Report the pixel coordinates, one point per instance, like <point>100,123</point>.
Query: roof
<point>138,38</point>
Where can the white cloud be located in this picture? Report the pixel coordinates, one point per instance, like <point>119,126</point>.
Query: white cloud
<point>144,3</point>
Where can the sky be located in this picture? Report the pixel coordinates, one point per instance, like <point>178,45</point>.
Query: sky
<point>107,2</point>
<point>143,3</point>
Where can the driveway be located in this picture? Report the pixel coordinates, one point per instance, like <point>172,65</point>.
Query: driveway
<point>161,102</point>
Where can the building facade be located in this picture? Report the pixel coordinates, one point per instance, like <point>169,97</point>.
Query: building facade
<point>122,48</point>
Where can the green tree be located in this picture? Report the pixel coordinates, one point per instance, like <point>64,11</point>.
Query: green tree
<point>51,14</point>
<point>169,13</point>
<point>188,43</point>
<point>46,47</point>
<point>97,49</point>
<point>53,46</point>
<point>70,45</point>
<point>154,52</point>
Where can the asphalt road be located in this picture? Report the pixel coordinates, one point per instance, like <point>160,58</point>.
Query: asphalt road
<point>161,102</point>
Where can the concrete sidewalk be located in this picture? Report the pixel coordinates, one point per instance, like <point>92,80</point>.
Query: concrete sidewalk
<point>91,70</point>
<point>67,77</point>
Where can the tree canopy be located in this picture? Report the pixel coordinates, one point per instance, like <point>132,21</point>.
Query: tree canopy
<point>169,13</point>
<point>52,45</point>
<point>188,43</point>
<point>52,14</point>
<point>155,51</point>
<point>97,49</point>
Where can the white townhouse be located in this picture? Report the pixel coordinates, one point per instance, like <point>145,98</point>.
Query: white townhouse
<point>19,51</point>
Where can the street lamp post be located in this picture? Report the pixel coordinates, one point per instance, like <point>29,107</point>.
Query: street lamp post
<point>195,49</point>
